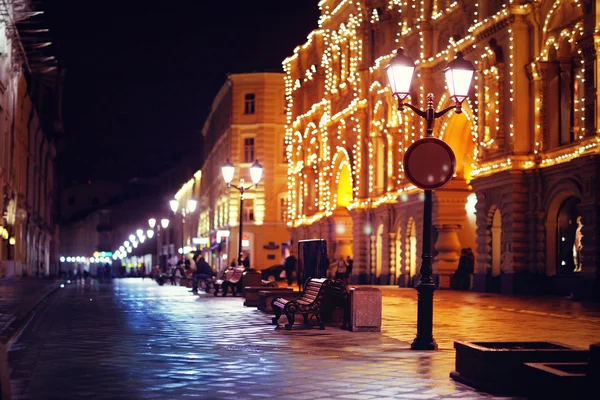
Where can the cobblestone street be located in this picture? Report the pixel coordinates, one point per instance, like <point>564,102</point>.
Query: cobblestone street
<point>131,339</point>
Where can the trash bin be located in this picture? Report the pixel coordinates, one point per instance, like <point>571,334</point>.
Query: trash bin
<point>365,310</point>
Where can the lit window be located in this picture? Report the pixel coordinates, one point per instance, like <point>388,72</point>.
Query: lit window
<point>249,210</point>
<point>249,103</point>
<point>248,150</point>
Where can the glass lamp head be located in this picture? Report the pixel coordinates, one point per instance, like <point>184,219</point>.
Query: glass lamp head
<point>164,223</point>
<point>191,205</point>
<point>228,170</point>
<point>139,233</point>
<point>174,204</point>
<point>256,171</point>
<point>152,223</point>
<point>400,73</point>
<point>150,233</point>
<point>458,78</point>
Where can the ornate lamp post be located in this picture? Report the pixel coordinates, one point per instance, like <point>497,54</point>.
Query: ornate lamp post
<point>164,224</point>
<point>228,171</point>
<point>429,164</point>
<point>189,208</point>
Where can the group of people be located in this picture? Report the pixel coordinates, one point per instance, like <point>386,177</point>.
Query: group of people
<point>338,269</point>
<point>341,268</point>
<point>466,267</point>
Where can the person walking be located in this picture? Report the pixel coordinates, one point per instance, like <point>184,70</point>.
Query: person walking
<point>246,263</point>
<point>349,265</point>
<point>203,272</point>
<point>461,275</point>
<point>290,267</point>
<point>341,269</point>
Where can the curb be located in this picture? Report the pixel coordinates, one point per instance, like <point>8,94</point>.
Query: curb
<point>22,317</point>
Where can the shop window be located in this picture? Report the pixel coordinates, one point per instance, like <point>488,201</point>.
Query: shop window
<point>249,103</point>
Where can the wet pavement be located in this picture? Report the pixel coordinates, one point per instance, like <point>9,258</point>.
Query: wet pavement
<point>132,339</point>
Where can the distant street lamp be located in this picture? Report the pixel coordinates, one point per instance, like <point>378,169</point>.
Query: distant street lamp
<point>187,210</point>
<point>164,224</point>
<point>435,172</point>
<point>228,171</point>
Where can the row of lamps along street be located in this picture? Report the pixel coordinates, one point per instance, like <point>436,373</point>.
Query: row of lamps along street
<point>228,171</point>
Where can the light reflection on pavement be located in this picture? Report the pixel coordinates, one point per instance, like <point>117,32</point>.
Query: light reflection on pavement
<point>133,339</point>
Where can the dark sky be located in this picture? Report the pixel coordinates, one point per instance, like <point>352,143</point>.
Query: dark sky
<point>141,75</point>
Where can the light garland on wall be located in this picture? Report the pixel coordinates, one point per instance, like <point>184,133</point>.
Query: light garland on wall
<point>342,127</point>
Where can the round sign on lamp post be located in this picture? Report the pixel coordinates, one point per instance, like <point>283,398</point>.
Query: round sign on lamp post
<point>429,163</point>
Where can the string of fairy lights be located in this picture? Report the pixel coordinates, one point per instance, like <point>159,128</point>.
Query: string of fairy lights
<point>321,142</point>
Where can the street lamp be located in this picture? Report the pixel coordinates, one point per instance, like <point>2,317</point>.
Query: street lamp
<point>228,171</point>
<point>190,207</point>
<point>164,223</point>
<point>458,78</point>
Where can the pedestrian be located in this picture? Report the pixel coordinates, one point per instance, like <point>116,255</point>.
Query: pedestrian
<point>349,265</point>
<point>246,263</point>
<point>290,267</point>
<point>332,268</point>
<point>203,272</point>
<point>340,273</point>
<point>461,275</point>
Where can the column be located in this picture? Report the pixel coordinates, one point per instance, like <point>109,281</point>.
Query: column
<point>449,216</point>
<point>361,270</point>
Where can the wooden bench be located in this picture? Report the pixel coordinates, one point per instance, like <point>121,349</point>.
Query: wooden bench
<point>231,278</point>
<point>336,295</point>
<point>308,303</point>
<point>251,293</point>
<point>265,298</point>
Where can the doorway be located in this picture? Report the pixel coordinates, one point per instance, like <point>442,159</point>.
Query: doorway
<point>567,257</point>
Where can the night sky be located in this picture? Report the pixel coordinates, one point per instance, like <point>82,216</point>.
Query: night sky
<point>141,75</point>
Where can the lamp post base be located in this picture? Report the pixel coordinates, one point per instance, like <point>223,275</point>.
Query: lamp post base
<point>418,344</point>
<point>424,339</point>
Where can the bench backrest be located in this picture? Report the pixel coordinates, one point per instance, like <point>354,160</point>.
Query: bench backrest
<point>236,275</point>
<point>313,290</point>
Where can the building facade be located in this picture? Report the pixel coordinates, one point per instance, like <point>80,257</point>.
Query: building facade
<point>524,198</point>
<point>29,125</point>
<point>246,123</point>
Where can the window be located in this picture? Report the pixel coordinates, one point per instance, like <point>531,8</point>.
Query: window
<point>249,103</point>
<point>248,150</point>
<point>71,200</point>
<point>248,210</point>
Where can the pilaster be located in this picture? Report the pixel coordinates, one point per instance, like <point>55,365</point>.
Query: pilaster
<point>392,255</point>
<point>360,247</point>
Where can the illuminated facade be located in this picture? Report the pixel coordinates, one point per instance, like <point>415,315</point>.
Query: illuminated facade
<point>526,144</point>
<point>247,122</point>
<point>28,128</point>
